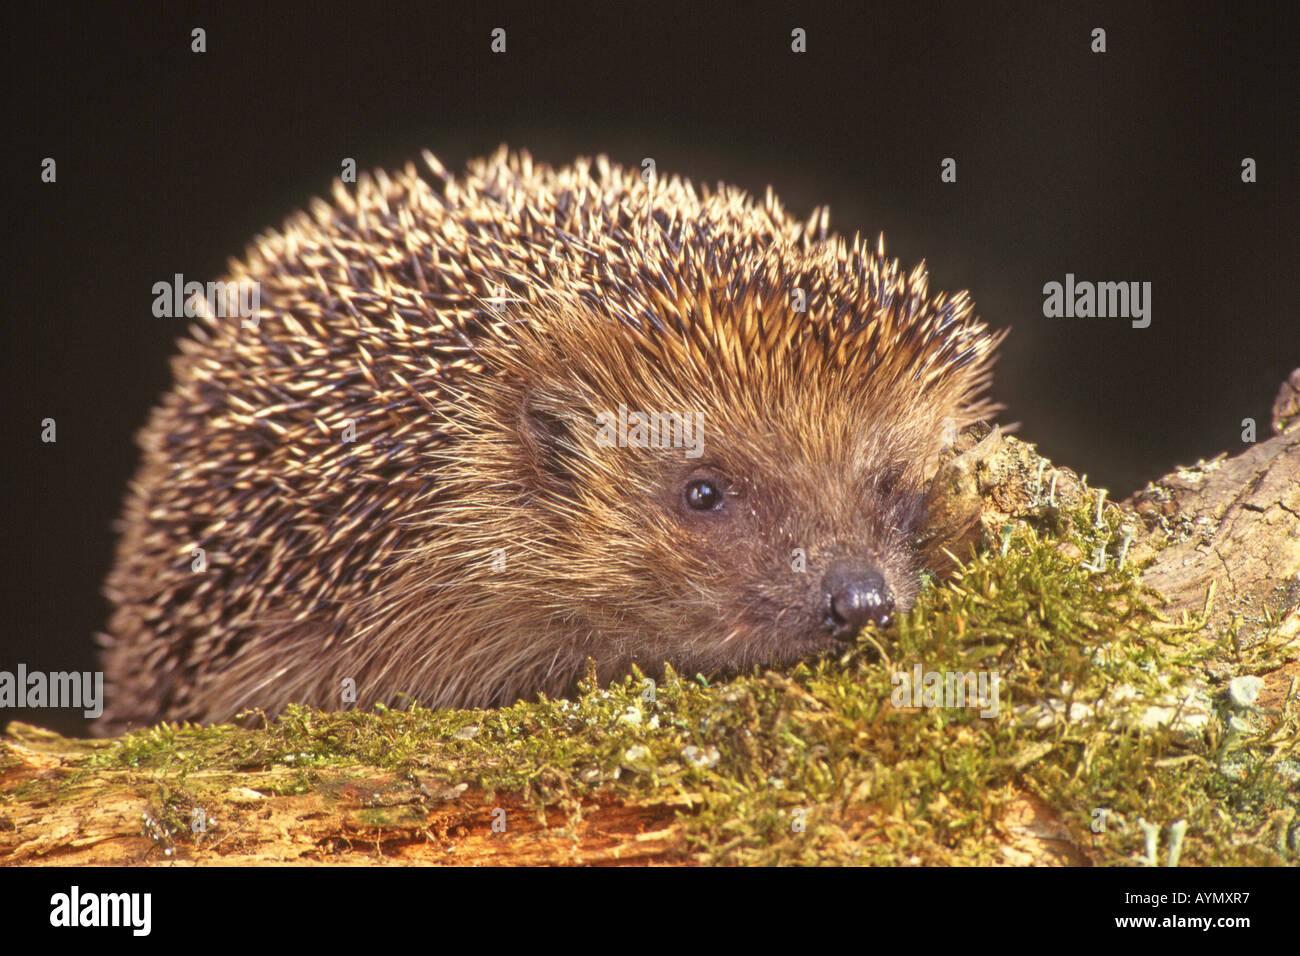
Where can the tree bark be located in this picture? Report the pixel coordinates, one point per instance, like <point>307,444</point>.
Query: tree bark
<point>1234,524</point>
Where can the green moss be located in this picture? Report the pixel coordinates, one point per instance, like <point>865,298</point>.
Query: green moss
<point>817,765</point>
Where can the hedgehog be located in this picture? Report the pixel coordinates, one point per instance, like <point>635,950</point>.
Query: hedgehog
<point>427,470</point>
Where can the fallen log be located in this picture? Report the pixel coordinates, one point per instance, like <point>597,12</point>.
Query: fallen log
<point>731,772</point>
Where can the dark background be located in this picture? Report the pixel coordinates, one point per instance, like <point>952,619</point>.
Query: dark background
<point>1123,166</point>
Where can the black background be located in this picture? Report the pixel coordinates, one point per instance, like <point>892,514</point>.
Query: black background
<point>1123,166</point>
<point>1031,903</point>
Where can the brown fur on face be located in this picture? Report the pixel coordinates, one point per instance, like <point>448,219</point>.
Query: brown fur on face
<point>479,540</point>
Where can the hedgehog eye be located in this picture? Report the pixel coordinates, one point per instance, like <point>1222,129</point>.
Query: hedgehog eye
<point>704,494</point>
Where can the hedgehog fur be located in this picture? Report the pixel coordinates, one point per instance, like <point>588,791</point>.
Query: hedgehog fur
<point>474,543</point>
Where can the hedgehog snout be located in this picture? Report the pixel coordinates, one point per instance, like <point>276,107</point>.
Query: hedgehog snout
<point>853,594</point>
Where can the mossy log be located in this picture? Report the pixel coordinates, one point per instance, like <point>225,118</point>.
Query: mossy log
<point>1193,581</point>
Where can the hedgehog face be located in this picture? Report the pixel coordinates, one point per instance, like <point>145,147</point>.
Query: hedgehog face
<point>681,512</point>
<point>781,553</point>
<point>804,555</point>
<point>693,476</point>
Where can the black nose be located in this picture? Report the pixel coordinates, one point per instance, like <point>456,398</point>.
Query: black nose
<point>853,595</point>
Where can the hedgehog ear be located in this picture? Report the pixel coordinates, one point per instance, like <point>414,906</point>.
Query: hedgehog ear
<point>549,437</point>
